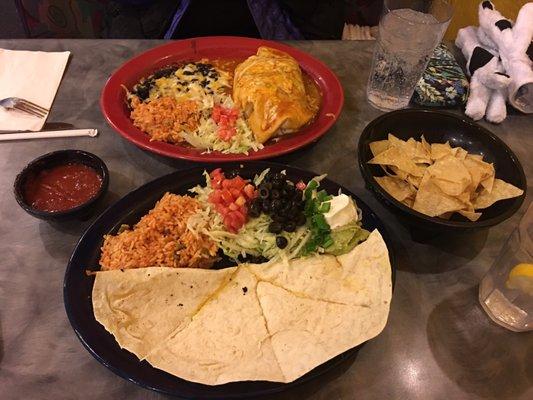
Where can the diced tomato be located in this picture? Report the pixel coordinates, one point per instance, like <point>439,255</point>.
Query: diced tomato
<point>238,217</point>
<point>226,119</point>
<point>217,111</point>
<point>217,176</point>
<point>249,190</point>
<point>226,196</point>
<point>234,192</point>
<point>230,198</point>
<point>301,185</point>
<point>240,201</point>
<point>238,183</point>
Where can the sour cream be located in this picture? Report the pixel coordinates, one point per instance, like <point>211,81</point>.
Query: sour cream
<point>341,212</point>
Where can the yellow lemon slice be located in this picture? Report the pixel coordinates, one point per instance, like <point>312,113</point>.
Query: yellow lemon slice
<point>521,278</point>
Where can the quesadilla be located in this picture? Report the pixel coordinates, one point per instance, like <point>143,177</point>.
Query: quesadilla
<point>272,322</point>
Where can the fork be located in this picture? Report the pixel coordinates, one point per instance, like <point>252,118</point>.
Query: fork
<point>24,105</point>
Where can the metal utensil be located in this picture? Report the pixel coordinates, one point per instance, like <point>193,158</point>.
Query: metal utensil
<point>24,105</point>
<point>48,134</point>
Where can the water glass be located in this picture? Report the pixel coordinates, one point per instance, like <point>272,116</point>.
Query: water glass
<point>409,31</point>
<point>506,304</point>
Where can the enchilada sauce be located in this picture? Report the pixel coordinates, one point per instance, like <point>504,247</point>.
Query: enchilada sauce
<point>62,187</point>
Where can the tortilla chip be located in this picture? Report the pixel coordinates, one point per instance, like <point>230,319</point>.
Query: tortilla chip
<point>425,145</point>
<point>439,150</point>
<point>397,188</point>
<point>378,147</point>
<point>488,182</point>
<point>501,190</point>
<point>471,215</point>
<point>422,154</point>
<point>479,170</point>
<point>432,201</point>
<point>397,172</point>
<point>450,175</point>
<point>414,180</point>
<point>461,153</point>
<point>447,215</point>
<point>409,202</point>
<point>394,141</point>
<point>396,157</point>
<point>478,157</point>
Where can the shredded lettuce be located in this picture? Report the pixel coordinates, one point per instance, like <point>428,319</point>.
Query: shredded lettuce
<point>205,136</point>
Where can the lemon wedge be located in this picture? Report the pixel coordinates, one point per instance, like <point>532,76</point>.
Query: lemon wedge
<point>521,278</point>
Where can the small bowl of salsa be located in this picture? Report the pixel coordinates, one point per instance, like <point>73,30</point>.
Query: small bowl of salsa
<point>61,185</point>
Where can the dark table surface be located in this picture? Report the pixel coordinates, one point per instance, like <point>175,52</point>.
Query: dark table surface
<point>438,343</point>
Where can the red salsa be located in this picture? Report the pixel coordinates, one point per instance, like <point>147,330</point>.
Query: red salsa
<point>62,187</point>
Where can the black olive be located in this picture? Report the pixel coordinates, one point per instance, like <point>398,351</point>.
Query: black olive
<point>281,242</point>
<point>276,204</point>
<point>293,203</point>
<point>294,211</point>
<point>252,259</point>
<point>274,194</point>
<point>289,190</point>
<point>297,195</point>
<point>254,212</point>
<point>278,218</point>
<point>256,205</point>
<point>284,212</point>
<point>290,226</point>
<point>264,193</point>
<point>274,227</point>
<point>265,206</point>
<point>266,185</point>
<point>300,219</point>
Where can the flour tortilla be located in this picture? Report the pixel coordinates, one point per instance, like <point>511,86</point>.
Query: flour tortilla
<point>272,322</point>
<point>142,307</point>
<point>307,333</point>
<point>226,341</point>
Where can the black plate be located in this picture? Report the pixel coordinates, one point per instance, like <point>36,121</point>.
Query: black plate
<point>439,127</point>
<point>128,210</point>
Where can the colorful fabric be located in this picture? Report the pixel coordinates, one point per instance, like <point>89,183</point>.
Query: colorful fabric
<point>443,83</point>
<point>62,18</point>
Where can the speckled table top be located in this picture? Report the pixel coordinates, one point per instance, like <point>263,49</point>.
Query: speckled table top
<point>438,343</point>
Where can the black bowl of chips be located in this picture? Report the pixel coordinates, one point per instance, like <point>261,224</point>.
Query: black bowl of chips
<point>438,171</point>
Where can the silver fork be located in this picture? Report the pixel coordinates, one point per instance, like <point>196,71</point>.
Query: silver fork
<point>24,105</point>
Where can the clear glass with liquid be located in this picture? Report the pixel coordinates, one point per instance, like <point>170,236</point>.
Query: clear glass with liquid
<point>409,31</point>
<point>510,307</point>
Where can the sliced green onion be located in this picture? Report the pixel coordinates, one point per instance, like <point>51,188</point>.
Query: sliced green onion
<point>324,207</point>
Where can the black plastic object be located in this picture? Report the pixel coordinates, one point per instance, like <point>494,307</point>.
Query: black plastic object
<point>439,127</point>
<point>77,289</point>
<point>53,159</point>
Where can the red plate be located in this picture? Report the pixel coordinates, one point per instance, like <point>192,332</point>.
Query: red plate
<point>114,107</point>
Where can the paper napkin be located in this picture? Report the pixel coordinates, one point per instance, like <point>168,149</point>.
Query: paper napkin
<point>31,75</point>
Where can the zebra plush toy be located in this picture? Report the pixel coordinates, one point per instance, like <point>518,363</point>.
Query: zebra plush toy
<point>498,63</point>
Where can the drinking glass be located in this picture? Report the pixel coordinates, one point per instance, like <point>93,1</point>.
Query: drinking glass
<point>409,31</point>
<point>506,304</point>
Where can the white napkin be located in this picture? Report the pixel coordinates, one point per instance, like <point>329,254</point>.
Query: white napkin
<point>31,75</point>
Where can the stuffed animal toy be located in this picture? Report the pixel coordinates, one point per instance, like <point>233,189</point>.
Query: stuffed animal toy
<point>498,63</point>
